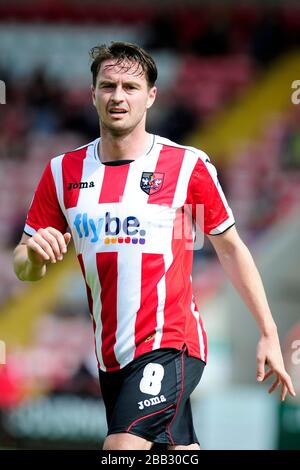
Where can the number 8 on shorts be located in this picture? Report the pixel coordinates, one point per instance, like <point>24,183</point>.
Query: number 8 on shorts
<point>152,377</point>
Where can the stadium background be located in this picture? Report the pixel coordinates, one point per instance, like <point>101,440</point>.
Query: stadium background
<point>226,71</point>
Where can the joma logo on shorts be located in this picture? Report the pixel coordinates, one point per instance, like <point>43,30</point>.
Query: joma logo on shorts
<point>152,401</point>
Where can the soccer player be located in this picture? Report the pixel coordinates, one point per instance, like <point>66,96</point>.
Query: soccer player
<point>123,197</point>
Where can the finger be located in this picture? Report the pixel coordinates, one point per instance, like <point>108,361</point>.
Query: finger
<point>67,237</point>
<point>37,238</point>
<point>37,249</point>
<point>46,235</point>
<point>59,238</point>
<point>289,384</point>
<point>283,392</point>
<point>270,372</point>
<point>260,368</point>
<point>274,385</point>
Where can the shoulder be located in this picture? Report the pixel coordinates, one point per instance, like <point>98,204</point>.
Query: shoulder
<point>87,150</point>
<point>193,152</point>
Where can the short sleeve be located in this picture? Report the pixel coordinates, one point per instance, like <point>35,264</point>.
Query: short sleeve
<point>45,210</point>
<point>205,190</point>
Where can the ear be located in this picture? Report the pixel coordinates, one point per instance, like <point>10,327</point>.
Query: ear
<point>151,97</point>
<point>93,95</point>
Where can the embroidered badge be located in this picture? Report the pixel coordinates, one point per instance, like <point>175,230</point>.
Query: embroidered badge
<point>151,183</point>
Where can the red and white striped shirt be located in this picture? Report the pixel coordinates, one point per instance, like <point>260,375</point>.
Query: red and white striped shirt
<point>124,222</point>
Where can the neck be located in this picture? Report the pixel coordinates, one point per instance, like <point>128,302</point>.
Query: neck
<point>123,147</point>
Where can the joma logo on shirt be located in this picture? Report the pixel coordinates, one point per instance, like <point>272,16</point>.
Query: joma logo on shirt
<point>81,185</point>
<point>110,229</point>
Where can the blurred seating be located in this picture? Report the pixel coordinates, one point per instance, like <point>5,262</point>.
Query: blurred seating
<point>206,85</point>
<point>18,180</point>
<point>262,187</point>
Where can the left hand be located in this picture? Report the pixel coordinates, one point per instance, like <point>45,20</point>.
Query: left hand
<point>269,353</point>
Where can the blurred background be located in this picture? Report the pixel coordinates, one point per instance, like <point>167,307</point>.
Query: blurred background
<point>226,76</point>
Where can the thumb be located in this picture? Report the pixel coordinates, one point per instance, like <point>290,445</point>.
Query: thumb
<point>67,237</point>
<point>260,370</point>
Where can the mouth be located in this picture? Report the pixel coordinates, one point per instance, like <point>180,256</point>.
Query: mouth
<point>117,112</point>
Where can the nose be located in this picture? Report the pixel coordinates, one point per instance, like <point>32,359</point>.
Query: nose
<point>117,95</point>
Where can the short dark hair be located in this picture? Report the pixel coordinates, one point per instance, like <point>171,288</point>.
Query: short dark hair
<point>124,51</point>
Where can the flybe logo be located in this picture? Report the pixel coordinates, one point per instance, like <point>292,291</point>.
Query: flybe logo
<point>110,229</point>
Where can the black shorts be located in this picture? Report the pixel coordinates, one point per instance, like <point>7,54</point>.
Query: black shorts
<point>150,397</point>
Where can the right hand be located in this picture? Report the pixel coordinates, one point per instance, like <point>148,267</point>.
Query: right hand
<point>47,245</point>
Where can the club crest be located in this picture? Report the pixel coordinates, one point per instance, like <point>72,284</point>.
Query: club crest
<point>151,183</point>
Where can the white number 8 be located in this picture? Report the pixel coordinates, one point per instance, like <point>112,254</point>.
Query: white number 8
<point>152,377</point>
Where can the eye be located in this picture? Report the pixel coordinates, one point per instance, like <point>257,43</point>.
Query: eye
<point>106,86</point>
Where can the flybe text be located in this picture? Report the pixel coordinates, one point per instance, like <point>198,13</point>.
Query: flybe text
<point>107,226</point>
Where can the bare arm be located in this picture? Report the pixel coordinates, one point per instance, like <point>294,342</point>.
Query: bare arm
<point>240,268</point>
<point>33,254</point>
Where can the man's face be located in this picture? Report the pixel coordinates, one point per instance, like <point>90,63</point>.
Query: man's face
<point>122,97</point>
